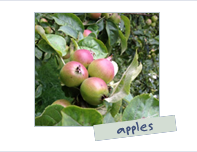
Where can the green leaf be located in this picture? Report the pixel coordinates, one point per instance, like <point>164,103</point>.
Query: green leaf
<point>108,118</point>
<point>47,56</point>
<point>57,42</point>
<point>128,98</point>
<point>153,42</point>
<point>141,21</point>
<point>109,47</point>
<point>37,64</point>
<point>69,19</point>
<point>82,16</point>
<point>123,42</point>
<point>157,38</point>
<point>50,117</point>
<point>100,24</point>
<point>76,116</point>
<point>94,29</point>
<point>127,26</point>
<point>112,32</point>
<point>38,53</point>
<point>102,110</point>
<point>45,24</point>
<point>38,91</point>
<point>69,31</point>
<point>107,105</point>
<point>37,36</point>
<point>142,106</point>
<point>80,36</point>
<point>71,24</point>
<point>45,47</point>
<point>92,35</point>
<point>40,31</point>
<point>95,46</point>
<point>116,107</point>
<point>76,46</point>
<point>118,117</point>
<point>138,32</point>
<point>122,87</point>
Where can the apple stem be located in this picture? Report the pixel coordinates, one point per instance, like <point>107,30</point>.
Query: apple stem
<point>62,60</point>
<point>110,58</point>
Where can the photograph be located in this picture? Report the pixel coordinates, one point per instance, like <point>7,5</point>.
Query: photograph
<point>96,68</point>
<point>98,75</point>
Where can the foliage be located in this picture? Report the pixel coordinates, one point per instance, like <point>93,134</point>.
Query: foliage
<point>134,46</point>
<point>145,39</point>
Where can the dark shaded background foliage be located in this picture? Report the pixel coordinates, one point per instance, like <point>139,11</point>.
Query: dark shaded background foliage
<point>145,39</point>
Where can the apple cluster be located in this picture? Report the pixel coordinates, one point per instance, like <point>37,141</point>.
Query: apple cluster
<point>152,21</point>
<point>91,76</point>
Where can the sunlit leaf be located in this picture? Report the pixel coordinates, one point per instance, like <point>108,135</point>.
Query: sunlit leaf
<point>118,117</point>
<point>71,24</point>
<point>50,117</point>
<point>45,47</point>
<point>128,98</point>
<point>76,116</point>
<point>108,118</point>
<point>116,107</point>
<point>142,106</point>
<point>122,88</point>
<point>57,42</point>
